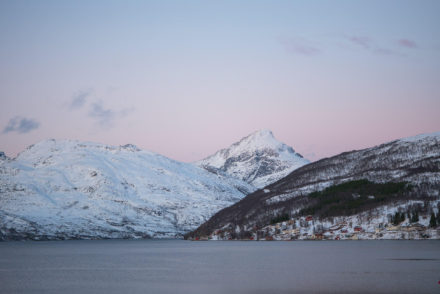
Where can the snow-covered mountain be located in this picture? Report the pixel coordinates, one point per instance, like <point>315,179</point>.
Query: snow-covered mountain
<point>3,156</point>
<point>412,162</point>
<point>258,159</point>
<point>70,189</point>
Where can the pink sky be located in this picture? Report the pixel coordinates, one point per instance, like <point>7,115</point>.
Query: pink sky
<point>186,79</point>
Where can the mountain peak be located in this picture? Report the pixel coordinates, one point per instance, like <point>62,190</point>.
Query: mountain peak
<point>259,140</point>
<point>262,133</point>
<point>258,159</point>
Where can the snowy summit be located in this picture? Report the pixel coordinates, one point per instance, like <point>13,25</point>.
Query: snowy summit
<point>258,159</point>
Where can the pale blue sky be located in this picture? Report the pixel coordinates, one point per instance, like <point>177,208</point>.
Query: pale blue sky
<point>186,78</point>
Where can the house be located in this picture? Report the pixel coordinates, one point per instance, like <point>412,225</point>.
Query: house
<point>309,218</point>
<point>358,229</point>
<point>334,228</point>
<point>318,236</point>
<point>344,231</point>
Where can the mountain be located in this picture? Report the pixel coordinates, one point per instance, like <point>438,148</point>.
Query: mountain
<point>258,159</point>
<point>62,189</point>
<point>3,156</point>
<point>364,188</point>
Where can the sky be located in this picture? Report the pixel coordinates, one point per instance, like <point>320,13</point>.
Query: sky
<point>187,78</point>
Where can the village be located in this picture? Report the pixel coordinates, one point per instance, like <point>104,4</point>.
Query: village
<point>341,228</point>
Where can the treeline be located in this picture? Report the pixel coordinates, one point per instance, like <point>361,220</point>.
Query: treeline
<point>435,220</point>
<point>399,217</point>
<point>353,197</point>
<point>281,218</point>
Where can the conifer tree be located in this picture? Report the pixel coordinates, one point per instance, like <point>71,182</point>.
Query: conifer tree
<point>415,217</point>
<point>433,221</point>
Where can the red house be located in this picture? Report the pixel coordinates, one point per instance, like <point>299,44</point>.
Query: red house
<point>358,229</point>
<point>309,218</point>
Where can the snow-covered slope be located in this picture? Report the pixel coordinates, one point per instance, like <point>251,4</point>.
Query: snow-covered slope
<point>414,160</point>
<point>258,159</point>
<point>71,189</point>
<point>3,156</point>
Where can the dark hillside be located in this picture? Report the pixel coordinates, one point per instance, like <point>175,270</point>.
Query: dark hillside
<point>397,171</point>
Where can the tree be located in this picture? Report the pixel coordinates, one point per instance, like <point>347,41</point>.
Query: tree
<point>397,218</point>
<point>415,217</point>
<point>432,221</point>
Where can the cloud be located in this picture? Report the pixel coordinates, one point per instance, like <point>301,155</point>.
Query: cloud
<point>79,99</point>
<point>299,46</point>
<point>106,117</point>
<point>407,43</point>
<point>21,125</point>
<point>369,45</point>
<point>362,41</point>
<point>384,51</point>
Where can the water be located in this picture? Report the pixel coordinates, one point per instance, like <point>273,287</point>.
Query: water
<point>174,266</point>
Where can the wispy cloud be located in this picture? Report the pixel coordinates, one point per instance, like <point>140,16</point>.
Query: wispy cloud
<point>105,117</point>
<point>368,44</point>
<point>407,43</point>
<point>361,41</point>
<point>299,46</point>
<point>21,125</point>
<point>79,99</point>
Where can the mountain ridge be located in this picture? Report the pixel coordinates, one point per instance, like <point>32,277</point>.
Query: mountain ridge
<point>415,160</point>
<point>68,189</point>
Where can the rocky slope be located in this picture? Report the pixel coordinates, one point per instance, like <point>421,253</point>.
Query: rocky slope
<point>258,159</point>
<point>70,189</point>
<point>414,161</point>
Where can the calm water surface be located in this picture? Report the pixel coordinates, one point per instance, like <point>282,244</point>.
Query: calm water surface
<point>175,266</point>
